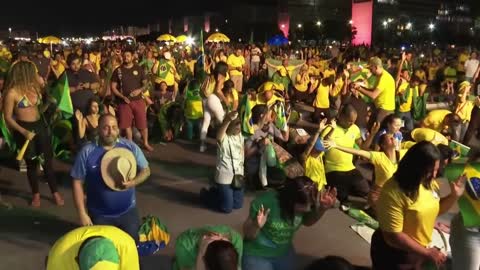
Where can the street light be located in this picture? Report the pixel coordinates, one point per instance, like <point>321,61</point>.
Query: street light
<point>299,25</point>
<point>216,29</point>
<point>385,23</point>
<point>319,23</point>
<point>390,20</point>
<point>408,26</point>
<point>9,32</point>
<point>350,22</point>
<point>431,26</point>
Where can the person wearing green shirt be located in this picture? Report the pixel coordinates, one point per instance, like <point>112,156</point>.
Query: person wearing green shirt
<point>275,217</point>
<point>209,247</point>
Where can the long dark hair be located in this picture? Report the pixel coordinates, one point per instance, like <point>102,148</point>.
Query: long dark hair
<point>416,168</point>
<point>221,255</point>
<point>220,68</point>
<point>298,190</point>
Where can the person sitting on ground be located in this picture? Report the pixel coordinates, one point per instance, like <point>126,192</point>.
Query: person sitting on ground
<point>208,248</point>
<point>275,216</point>
<point>94,247</point>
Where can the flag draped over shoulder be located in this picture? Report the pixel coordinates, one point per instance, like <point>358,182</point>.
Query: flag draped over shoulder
<point>61,92</point>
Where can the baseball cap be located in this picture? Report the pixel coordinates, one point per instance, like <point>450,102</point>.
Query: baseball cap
<point>99,253</point>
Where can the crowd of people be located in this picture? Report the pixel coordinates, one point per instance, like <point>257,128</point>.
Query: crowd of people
<point>294,123</point>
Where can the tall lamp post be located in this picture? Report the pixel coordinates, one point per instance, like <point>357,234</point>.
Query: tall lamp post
<point>9,32</point>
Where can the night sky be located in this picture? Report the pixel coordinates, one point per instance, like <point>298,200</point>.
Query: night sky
<point>94,16</point>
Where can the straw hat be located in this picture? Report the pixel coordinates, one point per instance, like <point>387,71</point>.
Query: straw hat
<point>118,165</point>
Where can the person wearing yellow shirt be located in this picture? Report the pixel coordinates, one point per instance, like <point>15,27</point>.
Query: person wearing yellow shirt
<point>95,57</point>
<point>443,121</point>
<point>421,74</point>
<point>383,93</point>
<point>321,104</point>
<point>407,209</point>
<point>432,71</point>
<point>340,170</point>
<point>96,247</point>
<point>384,162</point>
<point>312,158</point>
<point>405,93</point>
<point>236,65</point>
<point>463,108</point>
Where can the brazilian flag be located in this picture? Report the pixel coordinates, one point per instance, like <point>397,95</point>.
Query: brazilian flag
<point>246,106</point>
<point>461,150</point>
<point>153,236</point>
<point>469,203</point>
<point>163,68</point>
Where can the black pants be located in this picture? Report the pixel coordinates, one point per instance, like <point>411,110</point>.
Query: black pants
<point>41,144</point>
<point>348,183</point>
<point>385,257</point>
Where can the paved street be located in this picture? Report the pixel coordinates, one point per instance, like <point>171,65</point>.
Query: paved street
<point>171,193</point>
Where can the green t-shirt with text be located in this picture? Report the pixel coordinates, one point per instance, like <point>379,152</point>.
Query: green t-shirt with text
<point>275,238</point>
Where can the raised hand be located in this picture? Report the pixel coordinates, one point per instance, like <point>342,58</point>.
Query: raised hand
<point>375,128</point>
<point>329,143</point>
<point>457,187</point>
<point>262,216</point>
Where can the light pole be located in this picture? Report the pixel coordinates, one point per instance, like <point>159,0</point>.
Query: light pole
<point>9,32</point>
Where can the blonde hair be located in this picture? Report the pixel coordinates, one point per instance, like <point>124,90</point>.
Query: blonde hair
<point>22,77</point>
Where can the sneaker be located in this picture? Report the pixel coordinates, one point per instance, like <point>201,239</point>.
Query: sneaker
<point>203,147</point>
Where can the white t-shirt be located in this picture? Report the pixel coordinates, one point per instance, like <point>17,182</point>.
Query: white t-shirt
<point>230,148</point>
<point>256,54</point>
<point>471,66</point>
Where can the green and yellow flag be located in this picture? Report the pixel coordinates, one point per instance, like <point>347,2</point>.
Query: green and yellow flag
<point>246,106</point>
<point>61,92</point>
<point>469,203</point>
<point>7,136</point>
<point>461,150</point>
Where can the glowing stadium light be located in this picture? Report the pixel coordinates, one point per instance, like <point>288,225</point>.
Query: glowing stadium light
<point>190,40</point>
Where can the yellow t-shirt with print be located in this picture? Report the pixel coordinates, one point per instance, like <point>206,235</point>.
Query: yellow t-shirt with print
<point>383,166</point>
<point>434,119</point>
<point>322,100</point>
<point>315,170</point>
<point>398,213</point>
<point>65,250</point>
<point>386,99</point>
<point>236,62</point>
<point>406,106</point>
<point>191,65</point>
<point>336,160</point>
